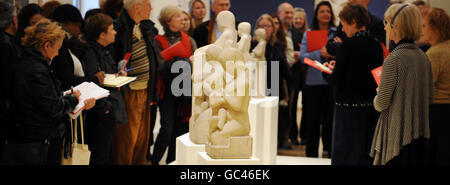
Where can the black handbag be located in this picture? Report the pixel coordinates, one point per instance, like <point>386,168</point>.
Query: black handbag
<point>34,153</point>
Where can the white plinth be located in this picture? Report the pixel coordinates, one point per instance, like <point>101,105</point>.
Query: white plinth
<point>204,159</point>
<point>187,151</point>
<point>263,113</point>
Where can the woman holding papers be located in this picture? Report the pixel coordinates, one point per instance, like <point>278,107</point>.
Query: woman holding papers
<point>354,87</point>
<point>102,119</point>
<point>35,138</point>
<point>405,93</point>
<point>318,104</point>
<point>175,111</point>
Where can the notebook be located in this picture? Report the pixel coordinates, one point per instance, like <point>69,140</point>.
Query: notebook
<point>88,90</point>
<point>112,81</point>
<point>317,65</point>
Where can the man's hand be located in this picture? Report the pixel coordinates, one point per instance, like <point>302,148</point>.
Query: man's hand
<point>297,55</point>
<point>101,77</point>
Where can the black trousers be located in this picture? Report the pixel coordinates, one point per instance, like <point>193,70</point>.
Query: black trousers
<point>353,129</point>
<point>99,136</point>
<point>319,112</point>
<point>439,137</point>
<point>284,124</point>
<point>167,108</point>
<point>293,133</point>
<point>153,112</point>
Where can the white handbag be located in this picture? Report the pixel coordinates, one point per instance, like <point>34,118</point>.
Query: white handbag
<point>80,152</point>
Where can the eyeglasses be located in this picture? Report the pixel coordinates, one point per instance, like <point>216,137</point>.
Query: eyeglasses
<point>385,22</point>
<point>265,26</point>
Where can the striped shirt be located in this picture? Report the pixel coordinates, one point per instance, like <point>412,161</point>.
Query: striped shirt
<point>404,97</point>
<point>141,64</point>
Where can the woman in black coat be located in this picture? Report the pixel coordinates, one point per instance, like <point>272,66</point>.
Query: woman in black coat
<point>355,117</point>
<point>37,99</point>
<point>102,119</point>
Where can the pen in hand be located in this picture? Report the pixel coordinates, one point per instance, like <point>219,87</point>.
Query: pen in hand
<point>128,70</point>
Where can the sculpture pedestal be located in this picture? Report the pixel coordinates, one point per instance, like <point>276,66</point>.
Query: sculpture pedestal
<point>205,159</point>
<point>239,147</point>
<point>187,151</point>
<point>263,113</point>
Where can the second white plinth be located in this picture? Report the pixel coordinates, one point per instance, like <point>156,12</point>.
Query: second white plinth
<point>263,113</point>
<point>187,151</point>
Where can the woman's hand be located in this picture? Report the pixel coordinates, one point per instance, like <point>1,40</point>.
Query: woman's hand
<point>90,103</point>
<point>337,40</point>
<point>324,52</point>
<point>330,65</point>
<point>101,77</point>
<point>77,94</point>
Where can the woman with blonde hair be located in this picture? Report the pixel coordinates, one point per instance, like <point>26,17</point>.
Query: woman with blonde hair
<point>198,12</point>
<point>187,24</point>
<point>436,31</point>
<point>300,20</point>
<point>35,138</point>
<point>175,111</point>
<point>405,93</point>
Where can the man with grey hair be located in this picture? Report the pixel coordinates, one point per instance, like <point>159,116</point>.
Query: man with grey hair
<point>286,14</point>
<point>9,52</point>
<point>135,44</point>
<point>207,32</point>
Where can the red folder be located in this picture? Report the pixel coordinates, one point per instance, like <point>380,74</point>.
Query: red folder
<point>317,65</point>
<point>316,40</point>
<point>173,51</point>
<point>377,74</point>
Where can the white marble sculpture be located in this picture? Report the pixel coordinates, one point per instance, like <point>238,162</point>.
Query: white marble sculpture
<point>260,50</point>
<point>258,70</point>
<point>245,42</point>
<point>222,109</point>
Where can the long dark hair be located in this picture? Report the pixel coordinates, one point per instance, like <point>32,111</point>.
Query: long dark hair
<point>281,35</point>
<point>24,17</point>
<point>315,23</point>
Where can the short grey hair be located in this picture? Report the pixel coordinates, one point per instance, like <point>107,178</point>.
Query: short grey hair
<point>280,7</point>
<point>128,4</point>
<point>7,12</point>
<point>214,2</point>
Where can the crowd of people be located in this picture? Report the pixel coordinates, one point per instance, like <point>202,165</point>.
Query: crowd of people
<point>46,50</point>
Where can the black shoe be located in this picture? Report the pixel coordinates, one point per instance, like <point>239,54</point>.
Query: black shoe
<point>295,142</point>
<point>149,156</point>
<point>303,142</point>
<point>285,147</point>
